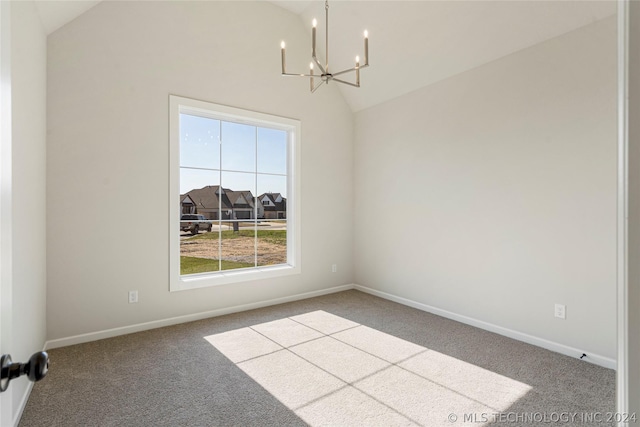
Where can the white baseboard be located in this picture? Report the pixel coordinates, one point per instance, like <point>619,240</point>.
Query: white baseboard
<point>109,333</point>
<point>23,403</point>
<point>25,398</point>
<point>520,336</point>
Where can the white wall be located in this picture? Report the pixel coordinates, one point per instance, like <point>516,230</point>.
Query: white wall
<point>6,256</point>
<point>28,76</point>
<point>634,209</point>
<point>492,194</point>
<point>110,73</point>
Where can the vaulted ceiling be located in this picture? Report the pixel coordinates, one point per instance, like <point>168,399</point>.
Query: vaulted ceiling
<point>413,43</point>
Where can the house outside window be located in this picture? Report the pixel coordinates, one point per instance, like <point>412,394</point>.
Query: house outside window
<point>233,172</point>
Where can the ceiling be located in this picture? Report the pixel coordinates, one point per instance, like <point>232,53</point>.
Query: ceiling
<point>412,43</point>
<point>56,13</point>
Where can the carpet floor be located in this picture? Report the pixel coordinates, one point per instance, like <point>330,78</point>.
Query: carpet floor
<point>345,359</point>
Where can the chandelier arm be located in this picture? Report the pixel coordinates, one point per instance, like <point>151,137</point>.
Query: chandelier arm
<point>326,33</point>
<point>317,86</point>
<point>346,83</point>
<point>349,70</point>
<point>299,75</point>
<point>322,69</point>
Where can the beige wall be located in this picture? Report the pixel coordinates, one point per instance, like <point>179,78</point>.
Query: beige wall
<point>110,73</point>
<point>509,172</point>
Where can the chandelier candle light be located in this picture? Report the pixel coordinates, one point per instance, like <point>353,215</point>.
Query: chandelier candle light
<point>325,75</point>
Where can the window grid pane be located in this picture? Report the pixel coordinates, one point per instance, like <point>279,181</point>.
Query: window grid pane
<point>244,205</point>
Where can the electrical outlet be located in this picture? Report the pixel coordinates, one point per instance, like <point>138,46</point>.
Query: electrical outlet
<point>133,297</point>
<point>334,268</point>
<point>561,311</point>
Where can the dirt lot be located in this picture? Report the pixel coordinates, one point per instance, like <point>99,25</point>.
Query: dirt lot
<point>240,249</point>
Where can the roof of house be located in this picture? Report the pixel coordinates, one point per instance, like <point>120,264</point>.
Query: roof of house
<point>278,206</point>
<point>208,198</point>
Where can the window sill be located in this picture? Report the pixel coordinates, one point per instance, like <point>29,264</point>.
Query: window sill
<point>195,281</point>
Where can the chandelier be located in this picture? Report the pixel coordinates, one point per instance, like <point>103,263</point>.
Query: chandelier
<point>326,76</point>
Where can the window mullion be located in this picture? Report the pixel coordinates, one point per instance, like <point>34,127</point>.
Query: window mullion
<point>220,196</point>
<point>255,205</point>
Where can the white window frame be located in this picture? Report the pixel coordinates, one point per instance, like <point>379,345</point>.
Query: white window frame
<point>178,105</point>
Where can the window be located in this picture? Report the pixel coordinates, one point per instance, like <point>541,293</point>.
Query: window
<point>234,195</point>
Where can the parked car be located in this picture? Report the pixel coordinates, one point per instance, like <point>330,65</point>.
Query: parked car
<point>194,223</point>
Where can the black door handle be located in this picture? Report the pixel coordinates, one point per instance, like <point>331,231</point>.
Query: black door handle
<point>35,369</point>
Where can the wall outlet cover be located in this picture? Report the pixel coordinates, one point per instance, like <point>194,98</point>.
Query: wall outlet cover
<point>561,311</point>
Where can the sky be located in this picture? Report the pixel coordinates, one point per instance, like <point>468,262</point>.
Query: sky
<point>249,157</point>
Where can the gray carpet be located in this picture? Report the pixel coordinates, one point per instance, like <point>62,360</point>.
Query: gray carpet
<point>173,376</point>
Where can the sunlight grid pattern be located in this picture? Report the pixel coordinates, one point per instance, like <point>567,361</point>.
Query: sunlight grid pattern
<point>332,371</point>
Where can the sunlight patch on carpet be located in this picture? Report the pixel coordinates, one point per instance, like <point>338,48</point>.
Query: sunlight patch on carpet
<point>332,371</point>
